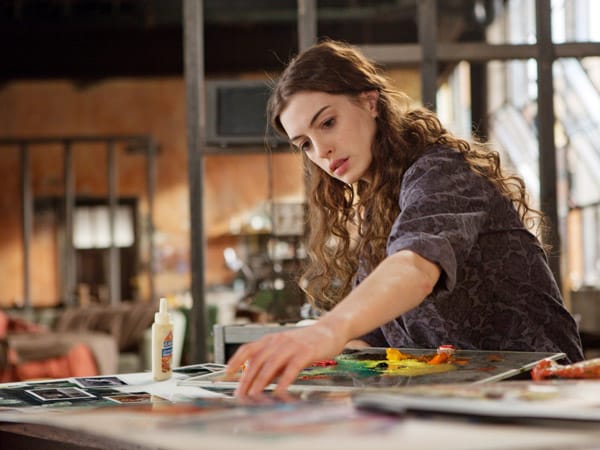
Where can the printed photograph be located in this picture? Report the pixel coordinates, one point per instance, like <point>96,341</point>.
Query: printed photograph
<point>130,398</point>
<point>96,382</point>
<point>54,394</point>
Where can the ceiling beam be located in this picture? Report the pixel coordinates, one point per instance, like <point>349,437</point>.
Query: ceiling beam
<point>411,54</point>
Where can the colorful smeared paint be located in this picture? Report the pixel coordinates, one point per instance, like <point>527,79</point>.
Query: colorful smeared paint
<point>391,367</point>
<point>396,363</point>
<point>550,369</point>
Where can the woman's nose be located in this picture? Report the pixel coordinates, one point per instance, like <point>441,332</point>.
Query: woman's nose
<point>323,149</point>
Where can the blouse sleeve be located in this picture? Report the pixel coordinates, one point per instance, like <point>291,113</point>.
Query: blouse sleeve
<point>444,206</point>
<point>375,338</point>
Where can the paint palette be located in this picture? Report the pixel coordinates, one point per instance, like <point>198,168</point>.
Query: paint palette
<point>378,367</point>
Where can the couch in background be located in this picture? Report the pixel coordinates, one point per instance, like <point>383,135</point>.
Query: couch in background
<point>82,341</point>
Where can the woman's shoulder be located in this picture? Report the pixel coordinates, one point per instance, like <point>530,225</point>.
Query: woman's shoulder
<point>443,169</point>
<point>439,152</point>
<point>438,158</point>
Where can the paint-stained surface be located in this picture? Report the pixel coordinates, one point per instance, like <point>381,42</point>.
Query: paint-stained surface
<point>381,367</point>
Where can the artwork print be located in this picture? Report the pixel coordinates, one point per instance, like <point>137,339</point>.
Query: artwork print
<point>59,394</point>
<point>141,397</point>
<point>381,367</point>
<point>100,382</point>
<point>518,400</point>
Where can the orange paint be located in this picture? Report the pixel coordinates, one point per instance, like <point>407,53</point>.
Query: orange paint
<point>583,369</point>
<point>439,358</point>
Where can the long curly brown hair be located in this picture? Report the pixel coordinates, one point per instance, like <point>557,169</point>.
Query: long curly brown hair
<point>352,223</point>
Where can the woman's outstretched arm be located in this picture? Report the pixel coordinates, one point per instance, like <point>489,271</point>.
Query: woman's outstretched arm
<point>400,283</point>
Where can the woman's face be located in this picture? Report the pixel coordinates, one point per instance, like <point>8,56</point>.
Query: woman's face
<point>335,131</point>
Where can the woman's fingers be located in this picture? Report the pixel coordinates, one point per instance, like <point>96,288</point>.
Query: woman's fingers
<point>289,375</point>
<point>262,368</point>
<point>282,355</point>
<point>240,358</point>
<point>268,363</point>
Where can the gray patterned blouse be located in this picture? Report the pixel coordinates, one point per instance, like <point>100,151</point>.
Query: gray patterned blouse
<point>496,291</point>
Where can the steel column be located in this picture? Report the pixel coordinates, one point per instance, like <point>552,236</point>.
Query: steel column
<point>27,223</point>
<point>307,23</point>
<point>69,263</point>
<point>546,139</point>
<point>150,192</point>
<point>193,44</point>
<point>427,15</point>
<point>114,260</point>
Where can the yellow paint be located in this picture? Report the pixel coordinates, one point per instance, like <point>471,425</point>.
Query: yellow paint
<point>413,368</point>
<point>393,354</point>
<point>408,365</point>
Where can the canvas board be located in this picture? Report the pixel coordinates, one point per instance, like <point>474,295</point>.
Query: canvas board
<point>573,400</point>
<point>370,368</point>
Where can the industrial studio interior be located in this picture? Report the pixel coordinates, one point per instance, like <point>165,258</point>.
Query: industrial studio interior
<point>138,165</point>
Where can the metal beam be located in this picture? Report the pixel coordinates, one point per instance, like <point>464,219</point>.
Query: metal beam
<point>27,223</point>
<point>69,263</point>
<point>479,100</point>
<point>411,54</point>
<point>150,192</point>
<point>39,140</point>
<point>193,48</point>
<point>478,95</point>
<point>427,22</point>
<point>546,139</point>
<point>307,23</point>
<point>114,260</point>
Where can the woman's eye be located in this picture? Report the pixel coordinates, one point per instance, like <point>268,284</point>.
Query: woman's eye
<point>304,146</point>
<point>328,123</point>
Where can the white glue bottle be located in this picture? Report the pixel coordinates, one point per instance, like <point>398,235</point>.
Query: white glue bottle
<point>162,343</point>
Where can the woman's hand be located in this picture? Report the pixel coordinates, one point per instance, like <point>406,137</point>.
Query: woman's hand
<point>283,355</point>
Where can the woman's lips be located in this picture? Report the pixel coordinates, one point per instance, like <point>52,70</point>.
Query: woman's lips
<point>339,166</point>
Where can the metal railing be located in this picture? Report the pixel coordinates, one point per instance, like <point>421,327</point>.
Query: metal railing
<point>141,143</point>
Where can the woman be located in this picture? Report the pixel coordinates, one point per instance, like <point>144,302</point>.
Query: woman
<point>417,238</point>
